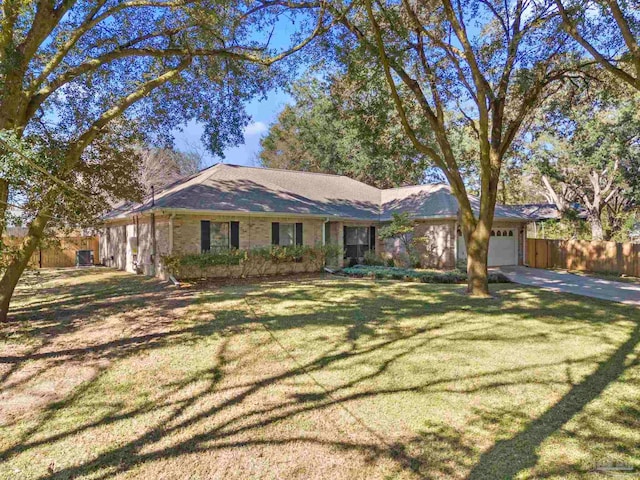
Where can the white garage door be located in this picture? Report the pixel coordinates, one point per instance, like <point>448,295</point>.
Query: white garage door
<point>502,247</point>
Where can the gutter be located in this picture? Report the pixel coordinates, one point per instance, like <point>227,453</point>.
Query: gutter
<point>231,213</point>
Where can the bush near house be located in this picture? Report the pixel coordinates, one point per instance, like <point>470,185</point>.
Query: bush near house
<point>255,262</point>
<point>411,275</point>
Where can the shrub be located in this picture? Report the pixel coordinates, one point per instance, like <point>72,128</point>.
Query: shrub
<point>211,259</point>
<point>424,276</point>
<point>372,258</point>
<point>253,262</point>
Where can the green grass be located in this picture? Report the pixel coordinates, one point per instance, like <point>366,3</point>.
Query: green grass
<point>108,375</point>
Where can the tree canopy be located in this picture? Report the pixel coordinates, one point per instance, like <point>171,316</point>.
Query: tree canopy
<point>336,127</point>
<point>81,81</point>
<point>473,68</point>
<point>586,147</point>
<point>608,30</point>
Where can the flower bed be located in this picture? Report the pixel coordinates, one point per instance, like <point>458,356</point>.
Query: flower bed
<point>411,275</point>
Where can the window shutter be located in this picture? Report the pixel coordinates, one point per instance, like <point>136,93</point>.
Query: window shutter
<point>298,233</point>
<point>235,235</point>
<point>275,233</point>
<point>205,235</point>
<point>372,239</point>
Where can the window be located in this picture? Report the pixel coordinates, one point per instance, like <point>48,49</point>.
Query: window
<point>511,233</point>
<point>287,233</point>
<point>214,236</point>
<point>356,241</point>
<point>219,236</point>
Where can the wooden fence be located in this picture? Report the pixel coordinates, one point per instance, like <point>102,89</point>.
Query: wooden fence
<point>612,257</point>
<point>61,255</point>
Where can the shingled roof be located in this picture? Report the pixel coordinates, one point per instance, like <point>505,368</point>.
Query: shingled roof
<point>233,188</point>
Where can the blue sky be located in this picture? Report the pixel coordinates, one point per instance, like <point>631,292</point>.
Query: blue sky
<point>263,113</point>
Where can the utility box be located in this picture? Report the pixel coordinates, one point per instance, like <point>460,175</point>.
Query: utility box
<point>84,258</point>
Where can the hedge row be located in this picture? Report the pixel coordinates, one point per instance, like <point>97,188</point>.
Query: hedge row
<point>255,261</point>
<point>410,275</point>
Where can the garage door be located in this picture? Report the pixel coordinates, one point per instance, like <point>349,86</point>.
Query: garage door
<point>502,247</point>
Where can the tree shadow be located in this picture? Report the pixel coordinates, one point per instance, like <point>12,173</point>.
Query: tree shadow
<point>509,457</point>
<point>343,343</point>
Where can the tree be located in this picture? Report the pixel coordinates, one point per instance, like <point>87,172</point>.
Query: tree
<point>83,79</point>
<point>480,66</point>
<point>608,30</point>
<point>402,228</point>
<point>580,146</point>
<point>162,166</point>
<point>336,127</point>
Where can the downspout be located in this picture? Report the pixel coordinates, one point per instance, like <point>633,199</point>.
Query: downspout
<point>153,244</point>
<point>153,234</point>
<point>137,262</point>
<point>171,217</point>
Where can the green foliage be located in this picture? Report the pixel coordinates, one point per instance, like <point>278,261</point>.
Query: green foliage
<point>83,82</point>
<point>334,128</point>
<point>402,227</point>
<point>564,229</point>
<point>585,150</point>
<point>210,259</point>
<point>253,262</point>
<point>372,258</point>
<point>411,275</point>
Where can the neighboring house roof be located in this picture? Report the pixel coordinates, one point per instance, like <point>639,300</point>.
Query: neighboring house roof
<point>233,188</point>
<point>545,211</point>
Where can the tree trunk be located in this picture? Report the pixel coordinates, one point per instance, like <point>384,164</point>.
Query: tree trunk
<point>17,265</point>
<point>4,198</point>
<point>597,231</point>
<point>477,261</point>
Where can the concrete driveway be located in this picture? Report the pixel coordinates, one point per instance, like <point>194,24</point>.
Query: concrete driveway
<point>628,293</point>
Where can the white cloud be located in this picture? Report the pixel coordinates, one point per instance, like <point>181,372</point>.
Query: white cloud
<point>255,128</point>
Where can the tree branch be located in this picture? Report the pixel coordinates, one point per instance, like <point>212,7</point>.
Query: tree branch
<point>572,30</point>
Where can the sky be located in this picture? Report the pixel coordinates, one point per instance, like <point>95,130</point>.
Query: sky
<point>263,113</point>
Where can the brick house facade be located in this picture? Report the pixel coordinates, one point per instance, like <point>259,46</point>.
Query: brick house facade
<point>227,206</point>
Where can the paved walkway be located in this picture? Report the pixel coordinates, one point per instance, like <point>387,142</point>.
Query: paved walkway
<point>628,293</point>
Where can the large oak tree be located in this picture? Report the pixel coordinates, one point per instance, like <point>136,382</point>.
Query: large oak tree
<point>483,66</point>
<point>82,80</point>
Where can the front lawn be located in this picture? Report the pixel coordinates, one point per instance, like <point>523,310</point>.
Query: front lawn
<point>416,274</point>
<point>108,375</point>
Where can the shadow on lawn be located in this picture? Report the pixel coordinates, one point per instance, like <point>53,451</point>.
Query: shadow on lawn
<point>156,317</point>
<point>508,457</point>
